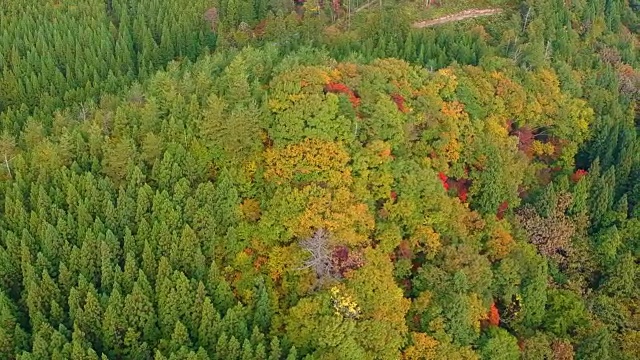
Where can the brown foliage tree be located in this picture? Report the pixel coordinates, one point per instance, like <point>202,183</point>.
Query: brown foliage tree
<point>551,235</point>
<point>562,350</point>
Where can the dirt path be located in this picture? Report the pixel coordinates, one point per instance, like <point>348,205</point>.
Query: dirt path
<point>365,6</point>
<point>467,14</point>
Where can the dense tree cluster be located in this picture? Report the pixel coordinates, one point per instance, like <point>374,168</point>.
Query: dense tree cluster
<point>318,184</point>
<point>56,53</point>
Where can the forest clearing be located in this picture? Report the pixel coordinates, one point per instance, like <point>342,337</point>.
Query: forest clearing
<point>462,15</point>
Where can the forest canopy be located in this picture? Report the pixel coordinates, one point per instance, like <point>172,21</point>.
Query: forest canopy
<point>319,180</point>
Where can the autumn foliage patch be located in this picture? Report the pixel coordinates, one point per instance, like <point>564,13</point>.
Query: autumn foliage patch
<point>494,315</point>
<point>462,194</point>
<point>502,209</point>
<point>461,186</point>
<point>526,137</point>
<point>443,179</point>
<point>399,100</point>
<point>578,175</point>
<point>341,88</point>
<point>344,260</point>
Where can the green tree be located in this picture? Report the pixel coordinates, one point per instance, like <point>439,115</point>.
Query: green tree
<point>209,329</point>
<point>565,312</point>
<point>499,344</point>
<point>140,316</point>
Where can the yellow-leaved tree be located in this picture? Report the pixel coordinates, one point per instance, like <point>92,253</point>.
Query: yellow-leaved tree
<point>315,176</point>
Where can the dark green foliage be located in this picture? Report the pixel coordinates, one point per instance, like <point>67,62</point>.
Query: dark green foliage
<point>91,49</point>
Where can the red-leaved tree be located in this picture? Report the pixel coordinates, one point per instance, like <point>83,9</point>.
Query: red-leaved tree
<point>579,174</point>
<point>525,140</point>
<point>341,88</point>
<point>502,209</point>
<point>399,100</point>
<point>461,186</point>
<point>494,315</point>
<point>443,180</point>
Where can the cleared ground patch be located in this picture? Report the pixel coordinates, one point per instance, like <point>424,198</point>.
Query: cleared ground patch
<point>466,14</point>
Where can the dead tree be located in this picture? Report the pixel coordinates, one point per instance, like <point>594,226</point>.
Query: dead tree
<point>526,18</point>
<point>320,261</point>
<point>547,50</point>
<point>329,262</point>
<point>211,16</point>
<point>6,164</point>
<point>7,150</point>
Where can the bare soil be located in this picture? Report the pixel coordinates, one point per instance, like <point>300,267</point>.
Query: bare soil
<point>467,14</point>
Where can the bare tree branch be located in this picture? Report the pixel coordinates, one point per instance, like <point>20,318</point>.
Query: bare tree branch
<point>319,249</point>
<point>6,163</point>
